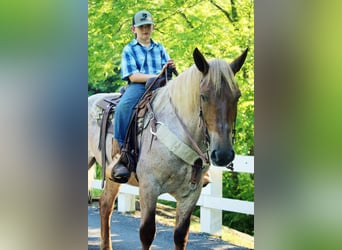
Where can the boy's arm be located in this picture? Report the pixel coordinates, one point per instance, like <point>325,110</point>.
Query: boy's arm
<point>140,77</point>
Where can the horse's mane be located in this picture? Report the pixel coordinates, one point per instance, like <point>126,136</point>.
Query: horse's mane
<point>185,89</point>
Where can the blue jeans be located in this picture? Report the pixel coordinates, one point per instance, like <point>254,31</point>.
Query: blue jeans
<point>124,110</point>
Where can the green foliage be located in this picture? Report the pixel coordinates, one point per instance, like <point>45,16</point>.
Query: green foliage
<point>96,193</point>
<point>238,186</point>
<point>180,27</point>
<point>98,174</point>
<point>219,28</point>
<point>241,222</point>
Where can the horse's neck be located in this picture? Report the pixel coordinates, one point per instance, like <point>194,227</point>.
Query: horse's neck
<point>180,96</point>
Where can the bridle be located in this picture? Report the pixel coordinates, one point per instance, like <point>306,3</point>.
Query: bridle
<point>203,155</point>
<point>230,165</point>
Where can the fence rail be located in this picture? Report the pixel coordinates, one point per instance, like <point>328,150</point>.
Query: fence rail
<point>211,201</point>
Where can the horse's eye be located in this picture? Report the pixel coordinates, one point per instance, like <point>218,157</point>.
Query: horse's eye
<point>204,98</point>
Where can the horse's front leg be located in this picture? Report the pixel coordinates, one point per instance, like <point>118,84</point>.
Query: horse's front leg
<point>181,232</point>
<point>183,216</point>
<point>106,203</point>
<point>148,201</point>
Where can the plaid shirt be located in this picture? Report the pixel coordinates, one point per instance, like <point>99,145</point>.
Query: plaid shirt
<point>137,58</point>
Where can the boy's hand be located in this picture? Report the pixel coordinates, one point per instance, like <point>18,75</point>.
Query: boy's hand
<point>171,63</point>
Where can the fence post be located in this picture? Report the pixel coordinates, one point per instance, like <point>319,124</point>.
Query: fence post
<point>211,219</point>
<point>126,203</point>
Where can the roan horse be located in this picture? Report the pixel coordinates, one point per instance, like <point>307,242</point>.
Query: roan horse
<point>203,101</point>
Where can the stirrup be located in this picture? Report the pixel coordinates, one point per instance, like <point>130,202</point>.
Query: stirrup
<point>121,179</point>
<point>111,168</point>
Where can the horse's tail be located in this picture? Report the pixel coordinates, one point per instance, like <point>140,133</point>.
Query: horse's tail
<point>91,177</point>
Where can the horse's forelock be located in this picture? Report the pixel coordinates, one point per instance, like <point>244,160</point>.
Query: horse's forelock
<point>220,69</point>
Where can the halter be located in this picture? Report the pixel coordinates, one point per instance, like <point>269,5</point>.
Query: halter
<point>230,165</point>
<point>204,156</point>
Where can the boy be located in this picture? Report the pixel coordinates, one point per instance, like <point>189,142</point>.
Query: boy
<point>142,59</point>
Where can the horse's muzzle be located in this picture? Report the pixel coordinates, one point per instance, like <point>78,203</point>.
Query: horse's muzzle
<point>222,157</point>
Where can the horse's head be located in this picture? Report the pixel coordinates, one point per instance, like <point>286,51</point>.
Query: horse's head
<point>219,96</point>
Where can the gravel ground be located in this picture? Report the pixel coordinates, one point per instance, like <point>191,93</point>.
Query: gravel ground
<point>125,234</point>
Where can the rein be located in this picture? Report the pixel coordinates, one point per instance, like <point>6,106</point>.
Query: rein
<point>191,155</point>
<point>197,165</point>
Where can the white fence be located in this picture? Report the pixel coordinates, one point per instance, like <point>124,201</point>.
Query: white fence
<point>211,202</point>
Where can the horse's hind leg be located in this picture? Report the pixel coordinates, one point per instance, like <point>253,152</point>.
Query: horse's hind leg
<point>148,202</point>
<point>106,203</point>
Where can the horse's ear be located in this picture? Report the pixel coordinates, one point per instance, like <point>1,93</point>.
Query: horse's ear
<point>238,62</point>
<point>200,62</point>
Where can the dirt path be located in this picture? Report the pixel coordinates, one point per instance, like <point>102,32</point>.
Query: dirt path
<point>125,234</point>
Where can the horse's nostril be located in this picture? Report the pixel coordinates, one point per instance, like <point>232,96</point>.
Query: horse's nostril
<point>222,158</point>
<point>233,155</point>
<point>213,156</point>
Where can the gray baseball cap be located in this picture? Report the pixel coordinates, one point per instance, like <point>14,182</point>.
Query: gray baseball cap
<point>142,17</point>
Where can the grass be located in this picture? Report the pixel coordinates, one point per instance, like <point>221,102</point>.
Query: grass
<point>96,193</point>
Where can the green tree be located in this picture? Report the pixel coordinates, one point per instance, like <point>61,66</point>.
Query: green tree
<point>219,28</point>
